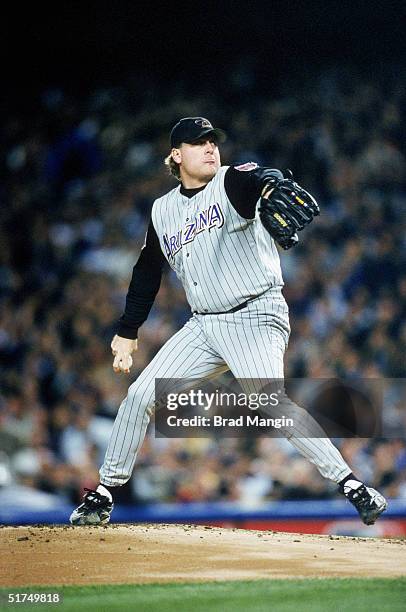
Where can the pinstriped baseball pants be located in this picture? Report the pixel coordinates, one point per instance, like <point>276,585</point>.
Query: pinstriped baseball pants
<point>251,343</point>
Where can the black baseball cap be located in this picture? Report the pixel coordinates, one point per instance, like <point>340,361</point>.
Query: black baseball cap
<point>190,129</point>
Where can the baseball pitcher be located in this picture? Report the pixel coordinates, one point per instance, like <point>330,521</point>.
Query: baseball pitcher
<point>218,230</point>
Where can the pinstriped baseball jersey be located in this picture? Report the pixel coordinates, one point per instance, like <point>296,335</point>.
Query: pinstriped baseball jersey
<point>221,258</point>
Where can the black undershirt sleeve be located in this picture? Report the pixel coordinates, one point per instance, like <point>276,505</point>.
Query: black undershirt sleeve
<point>244,187</point>
<point>144,286</point>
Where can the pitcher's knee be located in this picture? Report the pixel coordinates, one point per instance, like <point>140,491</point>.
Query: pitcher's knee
<point>140,399</point>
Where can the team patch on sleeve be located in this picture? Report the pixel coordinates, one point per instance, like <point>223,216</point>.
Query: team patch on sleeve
<point>246,167</point>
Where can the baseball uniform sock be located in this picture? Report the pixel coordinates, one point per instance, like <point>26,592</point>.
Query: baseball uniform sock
<point>103,490</point>
<point>353,482</point>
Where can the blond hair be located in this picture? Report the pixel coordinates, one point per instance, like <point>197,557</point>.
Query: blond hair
<point>172,166</point>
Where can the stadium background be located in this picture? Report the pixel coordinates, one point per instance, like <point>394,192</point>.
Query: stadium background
<point>90,98</point>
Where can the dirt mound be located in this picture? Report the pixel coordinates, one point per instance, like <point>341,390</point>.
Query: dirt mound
<point>184,553</point>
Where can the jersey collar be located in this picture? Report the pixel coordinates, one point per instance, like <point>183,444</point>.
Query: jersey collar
<point>189,193</point>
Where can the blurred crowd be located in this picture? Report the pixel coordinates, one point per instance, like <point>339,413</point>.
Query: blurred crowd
<point>78,179</point>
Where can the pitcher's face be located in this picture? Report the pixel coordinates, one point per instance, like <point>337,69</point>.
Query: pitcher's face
<point>198,161</point>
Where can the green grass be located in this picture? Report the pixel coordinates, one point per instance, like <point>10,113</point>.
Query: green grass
<point>338,595</point>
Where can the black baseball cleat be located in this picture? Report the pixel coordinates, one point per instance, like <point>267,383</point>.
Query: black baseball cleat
<point>94,510</point>
<point>369,503</point>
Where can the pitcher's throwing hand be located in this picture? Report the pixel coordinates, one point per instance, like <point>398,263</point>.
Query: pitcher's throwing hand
<point>122,349</point>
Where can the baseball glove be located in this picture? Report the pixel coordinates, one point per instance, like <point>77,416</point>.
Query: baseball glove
<point>285,209</point>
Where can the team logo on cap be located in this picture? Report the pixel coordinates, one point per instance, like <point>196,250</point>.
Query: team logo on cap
<point>203,123</point>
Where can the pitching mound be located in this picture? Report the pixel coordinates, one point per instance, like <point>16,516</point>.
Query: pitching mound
<point>123,554</point>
